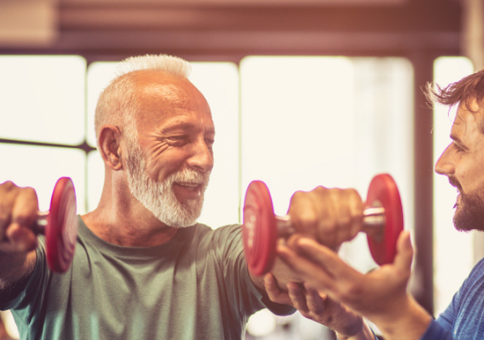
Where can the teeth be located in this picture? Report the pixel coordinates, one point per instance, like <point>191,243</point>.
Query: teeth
<point>190,185</point>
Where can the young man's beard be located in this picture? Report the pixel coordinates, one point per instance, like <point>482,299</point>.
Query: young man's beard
<point>158,197</point>
<point>469,214</point>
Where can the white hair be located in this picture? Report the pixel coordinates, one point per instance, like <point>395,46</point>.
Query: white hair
<point>169,64</point>
<point>117,104</point>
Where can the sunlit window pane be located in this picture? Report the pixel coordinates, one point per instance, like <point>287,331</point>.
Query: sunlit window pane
<point>290,106</point>
<point>219,84</point>
<point>42,98</point>
<point>450,270</point>
<point>41,167</point>
<point>99,75</point>
<point>331,121</point>
<point>95,179</point>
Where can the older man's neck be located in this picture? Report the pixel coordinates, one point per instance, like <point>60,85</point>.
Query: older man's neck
<point>128,226</point>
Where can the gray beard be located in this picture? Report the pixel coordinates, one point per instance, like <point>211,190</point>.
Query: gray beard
<point>159,198</point>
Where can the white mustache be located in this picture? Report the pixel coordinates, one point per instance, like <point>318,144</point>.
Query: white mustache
<point>188,176</point>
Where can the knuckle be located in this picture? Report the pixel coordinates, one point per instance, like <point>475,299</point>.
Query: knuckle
<point>353,194</point>
<point>345,221</point>
<point>30,193</point>
<point>299,196</point>
<point>308,217</point>
<point>321,190</point>
<point>8,186</point>
<point>334,193</point>
<point>307,224</point>
<point>295,198</point>
<point>328,226</point>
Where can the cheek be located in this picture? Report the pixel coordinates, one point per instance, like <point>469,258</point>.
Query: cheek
<point>162,165</point>
<point>472,178</point>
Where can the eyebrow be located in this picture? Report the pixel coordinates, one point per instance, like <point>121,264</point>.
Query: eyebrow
<point>456,139</point>
<point>185,126</point>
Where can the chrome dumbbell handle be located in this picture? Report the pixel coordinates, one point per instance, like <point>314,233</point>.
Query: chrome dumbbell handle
<point>42,220</point>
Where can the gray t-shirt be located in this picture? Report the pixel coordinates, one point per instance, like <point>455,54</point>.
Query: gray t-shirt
<point>194,287</point>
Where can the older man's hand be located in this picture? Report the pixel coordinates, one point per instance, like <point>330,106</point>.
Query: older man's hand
<point>330,216</point>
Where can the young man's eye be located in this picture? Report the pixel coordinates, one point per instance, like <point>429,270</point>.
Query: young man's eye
<point>458,148</point>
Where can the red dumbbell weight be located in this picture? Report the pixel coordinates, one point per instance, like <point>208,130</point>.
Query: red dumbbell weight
<point>59,225</point>
<point>382,222</point>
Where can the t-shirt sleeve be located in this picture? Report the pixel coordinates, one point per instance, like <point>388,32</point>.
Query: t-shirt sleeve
<point>435,331</point>
<point>443,326</point>
<point>237,275</point>
<point>446,319</point>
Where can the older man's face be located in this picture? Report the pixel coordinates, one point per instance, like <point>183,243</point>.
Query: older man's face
<point>169,168</point>
<point>463,163</point>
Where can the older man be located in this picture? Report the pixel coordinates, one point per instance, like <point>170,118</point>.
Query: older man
<point>143,268</point>
<point>381,295</point>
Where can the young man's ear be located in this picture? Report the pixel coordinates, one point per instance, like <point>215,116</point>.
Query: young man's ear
<point>110,146</point>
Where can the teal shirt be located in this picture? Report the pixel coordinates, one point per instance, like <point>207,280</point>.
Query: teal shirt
<point>194,287</point>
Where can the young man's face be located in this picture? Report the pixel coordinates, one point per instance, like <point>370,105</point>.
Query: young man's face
<point>463,163</point>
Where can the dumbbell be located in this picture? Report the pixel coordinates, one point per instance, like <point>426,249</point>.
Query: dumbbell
<point>59,225</point>
<point>382,222</point>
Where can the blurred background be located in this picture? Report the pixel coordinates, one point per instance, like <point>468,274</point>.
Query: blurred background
<point>303,93</point>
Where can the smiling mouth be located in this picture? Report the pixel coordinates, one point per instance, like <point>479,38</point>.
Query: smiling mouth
<point>458,198</point>
<point>190,185</point>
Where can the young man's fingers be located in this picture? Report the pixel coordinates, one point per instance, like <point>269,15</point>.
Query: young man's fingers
<point>314,301</point>
<point>275,294</point>
<point>297,297</point>
<point>308,270</point>
<point>404,256</point>
<point>328,260</point>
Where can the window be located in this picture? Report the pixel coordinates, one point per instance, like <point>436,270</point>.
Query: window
<point>42,101</point>
<point>450,271</point>
<point>331,121</point>
<point>294,122</point>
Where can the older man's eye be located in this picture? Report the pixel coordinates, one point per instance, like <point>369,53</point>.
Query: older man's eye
<point>178,140</point>
<point>209,143</point>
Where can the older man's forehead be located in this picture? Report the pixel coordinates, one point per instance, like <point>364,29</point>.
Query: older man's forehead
<point>175,89</point>
<point>166,91</point>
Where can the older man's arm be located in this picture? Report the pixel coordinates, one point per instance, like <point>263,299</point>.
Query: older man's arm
<point>18,211</point>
